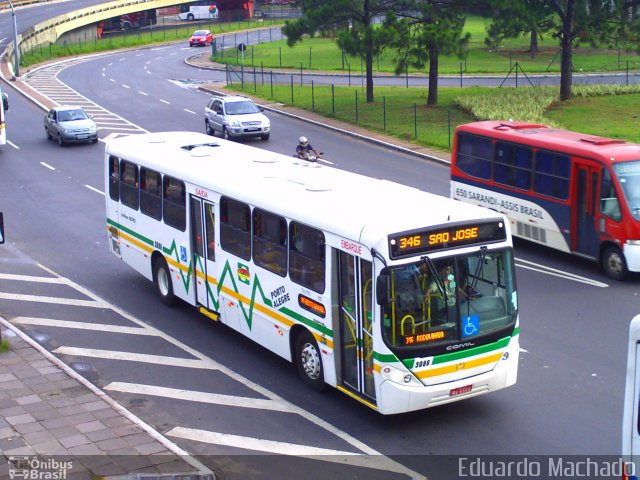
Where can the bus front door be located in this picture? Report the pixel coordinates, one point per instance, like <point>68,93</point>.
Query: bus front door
<point>203,239</point>
<point>356,334</point>
<point>585,237</point>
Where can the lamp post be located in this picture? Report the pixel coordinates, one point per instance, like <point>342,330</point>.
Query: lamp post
<point>16,52</point>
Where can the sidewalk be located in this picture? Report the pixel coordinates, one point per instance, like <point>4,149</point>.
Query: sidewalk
<point>55,424</point>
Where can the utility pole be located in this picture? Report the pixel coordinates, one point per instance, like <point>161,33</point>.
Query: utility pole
<point>16,50</point>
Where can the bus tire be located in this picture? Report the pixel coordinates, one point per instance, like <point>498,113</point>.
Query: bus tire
<point>162,279</point>
<point>190,17</point>
<point>309,361</point>
<point>614,264</point>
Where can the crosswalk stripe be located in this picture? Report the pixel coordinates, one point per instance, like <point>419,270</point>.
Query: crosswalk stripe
<point>202,397</point>
<point>250,443</point>
<point>30,278</point>
<point>376,462</point>
<point>98,327</point>
<point>54,300</point>
<point>135,357</point>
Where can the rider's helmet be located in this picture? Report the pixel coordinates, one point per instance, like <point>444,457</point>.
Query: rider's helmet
<point>303,141</point>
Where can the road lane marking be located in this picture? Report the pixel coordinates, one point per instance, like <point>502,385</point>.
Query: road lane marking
<point>47,165</point>
<point>164,101</point>
<point>30,278</point>
<point>375,462</point>
<point>98,327</point>
<point>94,189</point>
<point>201,397</point>
<point>135,357</point>
<point>53,300</point>
<point>536,267</point>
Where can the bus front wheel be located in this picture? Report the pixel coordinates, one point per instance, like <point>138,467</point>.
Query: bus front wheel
<point>162,279</point>
<point>614,264</point>
<point>309,361</point>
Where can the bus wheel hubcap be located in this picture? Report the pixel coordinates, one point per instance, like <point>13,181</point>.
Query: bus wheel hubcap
<point>163,281</point>
<point>311,361</point>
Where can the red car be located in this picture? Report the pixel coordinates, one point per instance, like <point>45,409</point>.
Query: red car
<point>201,38</point>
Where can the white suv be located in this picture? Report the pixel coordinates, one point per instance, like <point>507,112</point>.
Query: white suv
<point>236,117</point>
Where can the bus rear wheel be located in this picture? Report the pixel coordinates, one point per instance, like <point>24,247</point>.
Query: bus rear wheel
<point>162,279</point>
<point>614,264</point>
<point>309,361</point>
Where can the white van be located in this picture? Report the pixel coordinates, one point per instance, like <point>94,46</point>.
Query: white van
<point>199,12</point>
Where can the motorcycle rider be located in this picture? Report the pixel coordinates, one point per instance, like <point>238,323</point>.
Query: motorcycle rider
<point>305,150</point>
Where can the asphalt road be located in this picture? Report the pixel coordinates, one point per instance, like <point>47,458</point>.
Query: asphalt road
<point>568,399</point>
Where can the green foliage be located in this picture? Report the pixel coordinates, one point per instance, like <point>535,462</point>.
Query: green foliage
<point>5,346</point>
<point>517,104</point>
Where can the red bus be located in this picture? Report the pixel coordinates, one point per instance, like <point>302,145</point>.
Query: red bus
<point>574,192</point>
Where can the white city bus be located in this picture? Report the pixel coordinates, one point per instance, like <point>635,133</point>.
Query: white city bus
<point>4,107</point>
<point>631,413</point>
<point>337,272</point>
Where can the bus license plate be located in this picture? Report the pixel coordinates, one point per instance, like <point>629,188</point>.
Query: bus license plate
<point>460,390</point>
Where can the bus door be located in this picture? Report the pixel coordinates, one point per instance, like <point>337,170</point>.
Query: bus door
<point>356,332</point>
<point>203,238</point>
<point>585,238</point>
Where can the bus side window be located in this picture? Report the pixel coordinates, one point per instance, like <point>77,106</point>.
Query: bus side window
<point>552,175</point>
<point>269,241</point>
<point>150,197</point>
<point>474,155</point>
<point>235,227</point>
<point>513,165</point>
<point>114,178</point>
<point>174,203</point>
<point>129,185</point>
<point>307,256</point>
<point>609,203</point>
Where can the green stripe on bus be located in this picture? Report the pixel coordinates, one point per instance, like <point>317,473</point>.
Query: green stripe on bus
<point>133,233</point>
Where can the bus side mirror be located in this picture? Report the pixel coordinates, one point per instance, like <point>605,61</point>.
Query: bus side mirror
<point>1,228</point>
<point>382,289</point>
<point>5,102</point>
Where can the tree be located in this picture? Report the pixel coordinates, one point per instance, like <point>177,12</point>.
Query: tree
<point>513,18</point>
<point>353,23</point>
<point>424,30</point>
<point>584,20</point>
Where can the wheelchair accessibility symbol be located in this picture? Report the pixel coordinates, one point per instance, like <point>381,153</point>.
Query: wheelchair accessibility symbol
<point>470,326</point>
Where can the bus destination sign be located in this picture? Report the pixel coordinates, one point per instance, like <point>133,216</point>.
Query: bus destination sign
<point>445,236</point>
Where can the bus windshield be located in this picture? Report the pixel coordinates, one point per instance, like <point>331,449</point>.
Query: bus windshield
<point>449,300</point>
<point>628,174</point>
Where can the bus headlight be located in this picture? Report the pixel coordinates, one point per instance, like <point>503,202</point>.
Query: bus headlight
<point>401,377</point>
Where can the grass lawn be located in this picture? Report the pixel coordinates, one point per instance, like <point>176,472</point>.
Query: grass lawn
<point>323,54</point>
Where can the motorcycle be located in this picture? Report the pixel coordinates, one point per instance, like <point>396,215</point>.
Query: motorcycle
<point>309,157</point>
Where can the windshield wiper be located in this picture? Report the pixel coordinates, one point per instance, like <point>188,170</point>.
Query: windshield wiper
<point>479,267</point>
<point>434,273</point>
